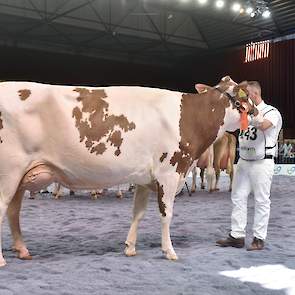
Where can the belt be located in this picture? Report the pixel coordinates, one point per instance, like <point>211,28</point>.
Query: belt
<point>269,157</point>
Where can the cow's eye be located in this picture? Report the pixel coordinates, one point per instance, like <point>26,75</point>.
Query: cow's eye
<point>237,104</point>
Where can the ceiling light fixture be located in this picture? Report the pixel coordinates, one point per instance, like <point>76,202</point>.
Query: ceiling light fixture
<point>219,4</point>
<point>236,7</point>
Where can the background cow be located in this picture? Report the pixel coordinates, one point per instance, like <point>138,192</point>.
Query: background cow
<point>58,192</point>
<point>220,156</point>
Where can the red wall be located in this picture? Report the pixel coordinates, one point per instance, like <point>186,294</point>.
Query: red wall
<point>276,75</point>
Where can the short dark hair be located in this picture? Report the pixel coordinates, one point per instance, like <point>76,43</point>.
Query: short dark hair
<point>255,84</point>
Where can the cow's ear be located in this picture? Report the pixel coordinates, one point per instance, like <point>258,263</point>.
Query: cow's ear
<point>202,88</point>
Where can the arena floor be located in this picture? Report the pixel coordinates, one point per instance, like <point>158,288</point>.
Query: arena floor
<point>78,244</point>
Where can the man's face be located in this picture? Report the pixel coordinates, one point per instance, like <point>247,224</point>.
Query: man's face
<point>254,94</point>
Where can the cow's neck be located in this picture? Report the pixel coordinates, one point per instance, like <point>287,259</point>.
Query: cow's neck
<point>201,118</point>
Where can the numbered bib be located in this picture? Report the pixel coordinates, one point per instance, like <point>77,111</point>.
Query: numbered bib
<point>252,144</point>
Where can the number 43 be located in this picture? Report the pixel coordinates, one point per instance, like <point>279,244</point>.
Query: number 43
<point>250,133</point>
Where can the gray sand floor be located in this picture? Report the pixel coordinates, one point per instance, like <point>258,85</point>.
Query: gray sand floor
<point>78,245</point>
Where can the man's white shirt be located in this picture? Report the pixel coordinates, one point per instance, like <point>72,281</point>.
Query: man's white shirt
<point>254,143</point>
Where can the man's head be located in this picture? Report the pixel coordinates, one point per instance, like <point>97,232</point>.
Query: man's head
<point>254,89</point>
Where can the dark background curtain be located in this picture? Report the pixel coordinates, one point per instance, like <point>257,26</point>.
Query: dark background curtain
<point>276,74</point>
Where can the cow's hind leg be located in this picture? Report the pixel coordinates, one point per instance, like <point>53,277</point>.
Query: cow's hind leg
<point>139,205</point>
<point>202,175</point>
<point>217,175</point>
<point>194,175</point>
<point>8,188</point>
<point>166,195</point>
<point>13,218</point>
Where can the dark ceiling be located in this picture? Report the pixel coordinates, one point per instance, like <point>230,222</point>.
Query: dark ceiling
<point>143,31</point>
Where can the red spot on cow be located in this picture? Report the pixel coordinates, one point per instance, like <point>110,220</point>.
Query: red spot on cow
<point>198,126</point>
<point>100,126</point>
<point>24,93</point>
<point>162,205</point>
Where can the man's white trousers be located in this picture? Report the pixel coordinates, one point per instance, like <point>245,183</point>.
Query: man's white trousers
<point>256,177</point>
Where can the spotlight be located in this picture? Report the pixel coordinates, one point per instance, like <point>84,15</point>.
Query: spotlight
<point>219,4</point>
<point>249,10</point>
<point>266,13</point>
<point>202,1</point>
<point>252,14</point>
<point>236,7</point>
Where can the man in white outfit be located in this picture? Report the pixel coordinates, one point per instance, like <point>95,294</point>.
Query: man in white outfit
<point>254,172</point>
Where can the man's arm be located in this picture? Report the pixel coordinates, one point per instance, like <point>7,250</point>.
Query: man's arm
<point>264,125</point>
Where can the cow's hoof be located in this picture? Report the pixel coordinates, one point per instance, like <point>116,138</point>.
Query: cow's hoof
<point>27,257</point>
<point>23,254</point>
<point>130,251</point>
<point>203,187</point>
<point>24,257</point>
<point>119,196</point>
<point>193,190</point>
<point>171,255</point>
<point>2,262</point>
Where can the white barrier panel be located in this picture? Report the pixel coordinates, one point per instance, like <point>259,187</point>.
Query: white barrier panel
<point>280,169</point>
<point>284,169</point>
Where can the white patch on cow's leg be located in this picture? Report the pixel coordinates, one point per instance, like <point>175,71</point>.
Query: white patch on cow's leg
<point>166,196</point>
<point>194,175</point>
<point>140,201</point>
<point>13,218</point>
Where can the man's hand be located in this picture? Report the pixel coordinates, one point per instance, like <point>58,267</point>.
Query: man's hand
<point>257,120</point>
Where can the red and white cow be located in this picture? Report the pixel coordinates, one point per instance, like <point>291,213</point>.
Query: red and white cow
<point>219,156</point>
<point>89,138</point>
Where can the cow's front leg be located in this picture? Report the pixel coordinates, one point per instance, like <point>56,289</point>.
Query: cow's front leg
<point>13,218</point>
<point>139,206</point>
<point>3,209</point>
<point>166,195</point>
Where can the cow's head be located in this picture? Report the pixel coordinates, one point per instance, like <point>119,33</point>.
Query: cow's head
<point>237,94</point>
